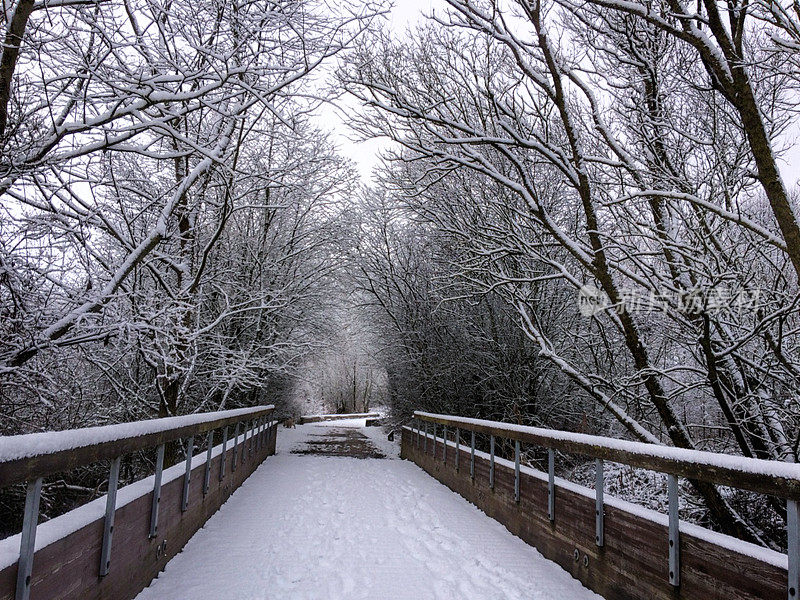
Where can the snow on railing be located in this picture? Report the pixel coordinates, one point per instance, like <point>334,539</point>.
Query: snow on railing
<point>775,478</point>
<point>29,458</point>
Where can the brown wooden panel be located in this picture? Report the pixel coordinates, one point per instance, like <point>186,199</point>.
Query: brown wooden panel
<point>633,563</point>
<point>69,568</point>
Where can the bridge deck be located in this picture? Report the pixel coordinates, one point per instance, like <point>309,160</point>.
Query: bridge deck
<point>315,521</point>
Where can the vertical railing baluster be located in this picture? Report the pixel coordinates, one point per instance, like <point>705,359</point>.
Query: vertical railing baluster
<point>458,445</point>
<point>472,456</point>
<point>491,462</point>
<point>793,537</point>
<point>224,452</point>
<point>27,546</point>
<point>235,447</point>
<point>674,531</point>
<point>156,491</point>
<point>263,435</point>
<point>599,509</point>
<point>271,434</point>
<point>209,452</point>
<point>111,507</point>
<point>516,471</point>
<point>187,475</point>
<point>551,484</point>
<point>244,441</point>
<point>434,441</point>
<point>444,445</point>
<point>425,444</point>
<point>417,438</point>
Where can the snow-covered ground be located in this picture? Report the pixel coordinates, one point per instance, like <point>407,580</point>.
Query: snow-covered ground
<point>308,526</point>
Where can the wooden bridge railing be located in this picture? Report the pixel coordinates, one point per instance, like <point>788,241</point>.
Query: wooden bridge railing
<point>767,477</point>
<point>30,458</point>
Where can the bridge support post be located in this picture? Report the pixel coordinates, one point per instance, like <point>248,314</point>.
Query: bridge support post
<point>27,545</point>
<point>793,535</point>
<point>111,508</point>
<point>187,474</point>
<point>458,445</point>
<point>224,449</point>
<point>599,510</point>
<point>156,491</point>
<point>207,472</point>
<point>472,457</point>
<point>516,471</point>
<point>551,484</point>
<point>491,462</point>
<point>674,531</point>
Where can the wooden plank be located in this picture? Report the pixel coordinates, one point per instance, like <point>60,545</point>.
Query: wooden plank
<point>744,473</point>
<point>42,465</point>
<point>69,568</point>
<point>633,563</point>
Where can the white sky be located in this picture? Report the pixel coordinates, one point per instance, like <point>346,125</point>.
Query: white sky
<point>404,14</point>
<point>408,13</point>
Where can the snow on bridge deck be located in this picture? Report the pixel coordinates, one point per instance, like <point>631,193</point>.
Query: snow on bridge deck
<point>307,525</point>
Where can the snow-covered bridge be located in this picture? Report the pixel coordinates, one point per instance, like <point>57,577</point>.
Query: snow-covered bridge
<point>336,513</point>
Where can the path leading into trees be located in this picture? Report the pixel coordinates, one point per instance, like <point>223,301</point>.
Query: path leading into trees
<point>336,514</point>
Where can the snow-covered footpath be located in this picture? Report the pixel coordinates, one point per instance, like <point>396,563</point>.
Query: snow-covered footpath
<point>306,526</point>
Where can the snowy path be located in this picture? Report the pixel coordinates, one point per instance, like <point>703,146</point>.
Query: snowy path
<point>307,526</point>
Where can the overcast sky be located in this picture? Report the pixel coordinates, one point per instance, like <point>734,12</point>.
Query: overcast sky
<point>407,13</point>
